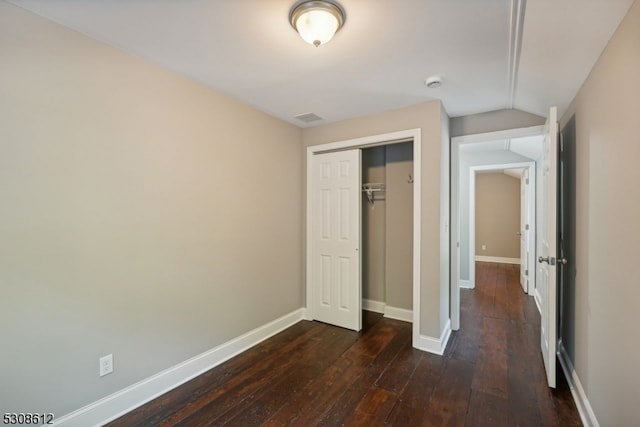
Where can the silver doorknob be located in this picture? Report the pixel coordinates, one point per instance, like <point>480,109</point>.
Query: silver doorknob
<point>548,259</point>
<point>563,261</point>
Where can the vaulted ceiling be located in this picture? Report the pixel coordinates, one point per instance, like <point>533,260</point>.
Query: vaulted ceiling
<point>491,54</point>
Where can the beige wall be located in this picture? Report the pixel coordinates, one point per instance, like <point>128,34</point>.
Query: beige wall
<point>607,295</point>
<point>429,117</point>
<point>493,121</point>
<point>374,227</point>
<point>399,226</point>
<point>497,215</point>
<point>139,213</point>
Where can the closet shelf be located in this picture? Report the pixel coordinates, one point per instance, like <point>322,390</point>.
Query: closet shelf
<point>372,187</point>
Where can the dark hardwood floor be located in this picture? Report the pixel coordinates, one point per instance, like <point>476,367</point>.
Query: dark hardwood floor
<point>315,374</point>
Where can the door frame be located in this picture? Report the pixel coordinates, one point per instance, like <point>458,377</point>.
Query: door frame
<point>531,207</point>
<point>527,225</point>
<point>409,135</point>
<point>455,204</point>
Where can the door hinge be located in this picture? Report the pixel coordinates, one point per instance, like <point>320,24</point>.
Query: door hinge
<point>527,181</point>
<point>526,227</point>
<point>526,272</point>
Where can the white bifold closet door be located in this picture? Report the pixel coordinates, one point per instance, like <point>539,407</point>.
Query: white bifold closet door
<point>335,233</point>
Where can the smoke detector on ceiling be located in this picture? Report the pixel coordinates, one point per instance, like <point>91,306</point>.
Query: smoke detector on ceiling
<point>433,82</point>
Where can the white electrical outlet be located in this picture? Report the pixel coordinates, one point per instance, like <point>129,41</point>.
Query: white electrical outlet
<point>106,365</point>
<point>484,247</point>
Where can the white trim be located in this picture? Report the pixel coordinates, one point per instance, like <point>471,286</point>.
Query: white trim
<point>398,314</point>
<point>413,135</point>
<point>533,227</point>
<point>465,284</point>
<point>454,244</point>
<point>434,345</point>
<point>585,410</point>
<point>455,209</point>
<point>388,312</point>
<point>119,403</point>
<point>372,305</point>
<point>497,259</point>
<point>367,141</point>
<point>417,235</point>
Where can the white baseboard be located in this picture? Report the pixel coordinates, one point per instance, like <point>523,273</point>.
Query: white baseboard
<point>119,403</point>
<point>497,259</point>
<point>466,284</point>
<point>434,345</point>
<point>579,396</point>
<point>399,314</point>
<point>372,305</point>
<point>390,312</point>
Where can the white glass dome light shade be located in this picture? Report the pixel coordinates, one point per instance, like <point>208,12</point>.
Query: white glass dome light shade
<point>316,27</point>
<point>317,21</point>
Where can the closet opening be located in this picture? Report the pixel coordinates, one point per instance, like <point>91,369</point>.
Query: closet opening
<point>331,287</point>
<point>387,230</point>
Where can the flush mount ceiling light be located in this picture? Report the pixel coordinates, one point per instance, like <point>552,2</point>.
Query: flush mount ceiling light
<point>317,20</point>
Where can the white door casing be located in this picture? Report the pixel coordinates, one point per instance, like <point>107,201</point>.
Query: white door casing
<point>547,241</point>
<point>456,213</point>
<point>524,229</point>
<point>532,229</point>
<point>335,267</point>
<point>499,167</point>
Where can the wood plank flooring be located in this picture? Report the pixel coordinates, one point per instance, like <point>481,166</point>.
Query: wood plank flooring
<point>313,374</point>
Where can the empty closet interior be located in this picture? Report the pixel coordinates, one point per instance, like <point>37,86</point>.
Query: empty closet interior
<point>387,229</point>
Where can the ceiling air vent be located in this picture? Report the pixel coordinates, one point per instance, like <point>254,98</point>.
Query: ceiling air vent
<point>308,117</point>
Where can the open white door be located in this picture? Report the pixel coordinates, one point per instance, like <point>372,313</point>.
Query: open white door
<point>547,242</point>
<point>335,219</point>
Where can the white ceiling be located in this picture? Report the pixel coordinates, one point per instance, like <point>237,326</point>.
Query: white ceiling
<point>378,61</point>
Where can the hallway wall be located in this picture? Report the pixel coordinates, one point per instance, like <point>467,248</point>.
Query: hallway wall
<point>607,295</point>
